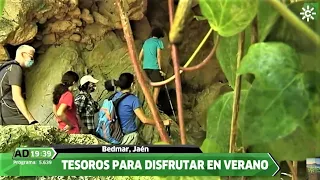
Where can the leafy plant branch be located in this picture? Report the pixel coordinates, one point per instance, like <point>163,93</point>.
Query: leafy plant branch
<point>236,97</point>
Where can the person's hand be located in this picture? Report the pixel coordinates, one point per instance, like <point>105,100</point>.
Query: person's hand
<point>67,128</point>
<point>33,122</point>
<point>167,122</point>
<point>162,74</point>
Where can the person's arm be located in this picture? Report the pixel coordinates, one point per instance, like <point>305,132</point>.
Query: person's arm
<point>159,58</point>
<point>20,103</point>
<point>54,110</point>
<point>62,115</point>
<point>15,77</point>
<point>140,114</point>
<point>159,48</point>
<point>143,118</point>
<point>96,106</point>
<point>141,55</point>
<point>80,103</point>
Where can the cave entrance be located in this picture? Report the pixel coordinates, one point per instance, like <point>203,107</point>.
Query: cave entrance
<point>12,50</point>
<point>164,101</point>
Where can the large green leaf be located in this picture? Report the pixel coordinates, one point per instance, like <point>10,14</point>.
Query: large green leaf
<point>227,17</point>
<point>304,141</point>
<point>267,17</point>
<point>219,123</point>
<point>278,101</point>
<point>227,56</point>
<point>283,31</point>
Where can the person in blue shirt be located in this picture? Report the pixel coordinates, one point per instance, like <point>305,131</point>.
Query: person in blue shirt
<point>129,108</point>
<point>151,53</point>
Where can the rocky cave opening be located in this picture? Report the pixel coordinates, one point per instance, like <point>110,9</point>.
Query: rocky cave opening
<point>86,36</point>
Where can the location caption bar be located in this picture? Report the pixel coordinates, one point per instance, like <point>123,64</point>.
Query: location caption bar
<point>125,149</point>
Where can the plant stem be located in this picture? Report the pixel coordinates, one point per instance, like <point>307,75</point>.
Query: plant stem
<point>236,97</point>
<point>205,61</point>
<point>295,21</point>
<point>176,66</point>
<point>254,31</point>
<point>295,167</point>
<point>294,174</point>
<point>187,63</point>
<point>134,58</point>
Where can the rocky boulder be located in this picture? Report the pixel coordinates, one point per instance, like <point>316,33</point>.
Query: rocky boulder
<point>40,136</point>
<point>61,20</point>
<point>3,54</point>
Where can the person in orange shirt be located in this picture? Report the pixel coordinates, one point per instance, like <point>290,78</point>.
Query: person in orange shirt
<point>64,107</point>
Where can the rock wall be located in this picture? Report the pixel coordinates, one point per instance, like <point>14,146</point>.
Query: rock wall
<point>52,22</point>
<point>86,36</point>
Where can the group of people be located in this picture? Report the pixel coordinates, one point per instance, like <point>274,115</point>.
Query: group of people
<point>75,113</point>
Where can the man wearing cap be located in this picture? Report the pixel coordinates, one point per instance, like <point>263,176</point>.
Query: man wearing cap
<point>86,105</point>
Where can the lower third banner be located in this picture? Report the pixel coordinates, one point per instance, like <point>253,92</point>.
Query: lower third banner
<point>106,164</point>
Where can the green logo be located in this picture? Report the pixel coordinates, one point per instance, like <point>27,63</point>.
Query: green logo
<point>309,11</point>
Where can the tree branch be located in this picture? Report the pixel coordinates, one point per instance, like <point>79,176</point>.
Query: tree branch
<point>236,97</point>
<point>294,174</point>
<point>176,66</point>
<point>134,59</point>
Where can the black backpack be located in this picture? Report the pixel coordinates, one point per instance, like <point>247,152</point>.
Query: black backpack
<point>3,66</point>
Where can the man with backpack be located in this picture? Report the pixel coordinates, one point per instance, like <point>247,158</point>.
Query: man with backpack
<point>117,117</point>
<point>13,108</point>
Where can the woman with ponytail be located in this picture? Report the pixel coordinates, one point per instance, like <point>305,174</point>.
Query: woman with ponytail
<point>63,103</point>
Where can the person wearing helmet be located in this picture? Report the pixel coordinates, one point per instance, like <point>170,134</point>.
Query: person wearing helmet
<point>86,105</point>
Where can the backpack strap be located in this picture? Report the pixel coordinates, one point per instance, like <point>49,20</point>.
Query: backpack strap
<point>112,96</point>
<point>117,102</point>
<point>7,63</point>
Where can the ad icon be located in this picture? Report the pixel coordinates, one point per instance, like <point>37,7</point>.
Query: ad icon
<point>309,11</point>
